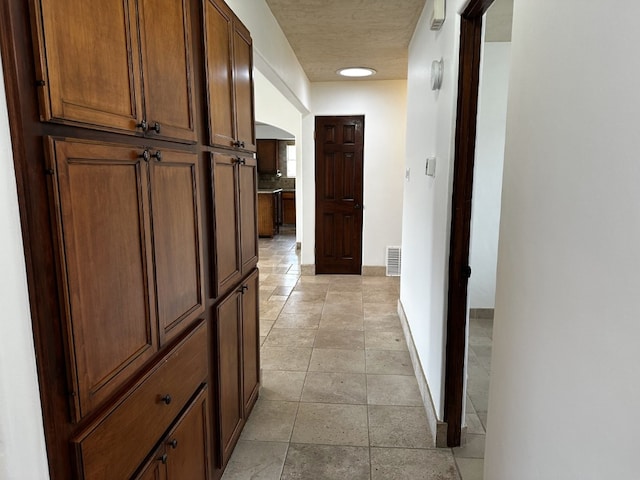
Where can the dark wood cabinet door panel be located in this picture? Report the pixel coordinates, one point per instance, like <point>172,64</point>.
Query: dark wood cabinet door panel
<point>267,153</point>
<point>154,469</point>
<point>218,31</point>
<point>87,57</point>
<point>228,336</point>
<point>100,197</point>
<point>243,82</point>
<point>177,240</point>
<point>168,67</point>
<point>115,444</point>
<point>250,342</point>
<point>187,445</point>
<point>248,184</point>
<point>227,265</point>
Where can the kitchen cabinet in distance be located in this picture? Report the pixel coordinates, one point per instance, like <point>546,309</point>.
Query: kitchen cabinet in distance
<point>267,153</point>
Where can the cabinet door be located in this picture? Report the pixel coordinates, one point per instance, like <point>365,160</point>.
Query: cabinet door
<point>218,32</point>
<point>288,208</point>
<point>243,82</point>
<point>229,333</point>
<point>104,251</point>
<point>248,214</point>
<point>168,68</point>
<point>187,445</point>
<point>177,240</point>
<point>250,342</point>
<point>227,265</point>
<point>267,153</point>
<point>156,468</point>
<point>88,60</point>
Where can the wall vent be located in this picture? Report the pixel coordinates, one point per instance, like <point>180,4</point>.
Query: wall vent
<point>394,261</point>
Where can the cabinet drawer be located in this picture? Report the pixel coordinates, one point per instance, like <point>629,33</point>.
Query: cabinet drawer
<point>115,444</point>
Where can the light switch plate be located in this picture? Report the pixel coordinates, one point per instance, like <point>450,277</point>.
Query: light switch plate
<point>430,167</point>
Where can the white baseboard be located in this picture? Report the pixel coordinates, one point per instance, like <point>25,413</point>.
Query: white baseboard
<point>437,427</point>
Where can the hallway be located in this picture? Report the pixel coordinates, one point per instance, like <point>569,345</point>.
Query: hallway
<point>339,399</point>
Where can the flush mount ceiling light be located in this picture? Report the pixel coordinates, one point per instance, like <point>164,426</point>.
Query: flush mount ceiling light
<point>356,72</point>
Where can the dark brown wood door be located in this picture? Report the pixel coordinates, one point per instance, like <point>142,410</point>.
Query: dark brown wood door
<point>247,188</point>
<point>339,178</point>
<point>187,446</point>
<point>218,38</point>
<point>177,240</point>
<point>228,336</point>
<point>226,258</point>
<point>168,68</point>
<point>102,89</point>
<point>243,82</point>
<point>100,195</point>
<point>250,342</point>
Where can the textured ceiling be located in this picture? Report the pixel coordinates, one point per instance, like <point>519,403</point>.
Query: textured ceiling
<point>330,34</point>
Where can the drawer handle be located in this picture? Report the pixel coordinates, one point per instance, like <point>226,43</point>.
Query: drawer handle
<point>173,443</point>
<point>238,143</point>
<point>143,125</point>
<point>145,155</point>
<point>157,156</point>
<point>166,399</point>
<point>163,458</point>
<point>156,127</point>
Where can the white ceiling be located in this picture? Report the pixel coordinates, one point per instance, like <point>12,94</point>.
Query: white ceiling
<point>327,35</point>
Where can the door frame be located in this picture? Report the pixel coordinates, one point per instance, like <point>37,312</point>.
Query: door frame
<point>471,21</point>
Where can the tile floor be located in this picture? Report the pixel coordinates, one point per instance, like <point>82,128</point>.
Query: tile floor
<point>339,399</point>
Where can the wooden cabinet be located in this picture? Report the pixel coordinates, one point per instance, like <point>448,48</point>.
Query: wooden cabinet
<point>95,70</point>
<point>237,339</point>
<point>184,451</point>
<point>229,72</point>
<point>234,193</point>
<point>267,153</point>
<point>289,208</point>
<point>114,298</point>
<point>115,444</point>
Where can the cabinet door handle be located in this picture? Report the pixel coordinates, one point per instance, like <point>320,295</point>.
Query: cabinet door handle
<point>238,143</point>
<point>157,156</point>
<point>156,127</point>
<point>243,289</point>
<point>173,443</point>
<point>143,125</point>
<point>166,399</point>
<point>240,161</point>
<point>145,155</point>
<point>163,458</point>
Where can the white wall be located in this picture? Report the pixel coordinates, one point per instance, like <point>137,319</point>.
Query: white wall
<point>487,181</point>
<point>427,200</point>
<point>565,387</point>
<point>22,447</point>
<point>383,104</point>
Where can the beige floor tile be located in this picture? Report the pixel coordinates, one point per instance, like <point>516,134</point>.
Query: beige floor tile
<point>388,362</point>
<point>291,337</point>
<point>396,426</point>
<point>342,321</point>
<point>322,387</point>
<point>285,358</point>
<point>326,462</point>
<point>393,390</point>
<point>305,286</point>
<point>471,468</point>
<point>382,322</point>
<point>342,308</point>
<point>380,297</point>
<point>410,464</point>
<point>256,461</point>
<point>298,320</point>
<point>473,423</point>
<point>331,424</point>
<point>345,339</point>
<point>303,307</point>
<point>282,385</point>
<point>384,340</point>
<point>344,297</point>
<point>337,361</point>
<point>377,309</point>
<point>345,287</point>
<point>270,421</point>
<point>308,296</point>
<point>265,326</point>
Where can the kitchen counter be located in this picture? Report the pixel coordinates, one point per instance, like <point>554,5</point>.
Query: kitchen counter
<point>269,211</point>
<point>269,190</point>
